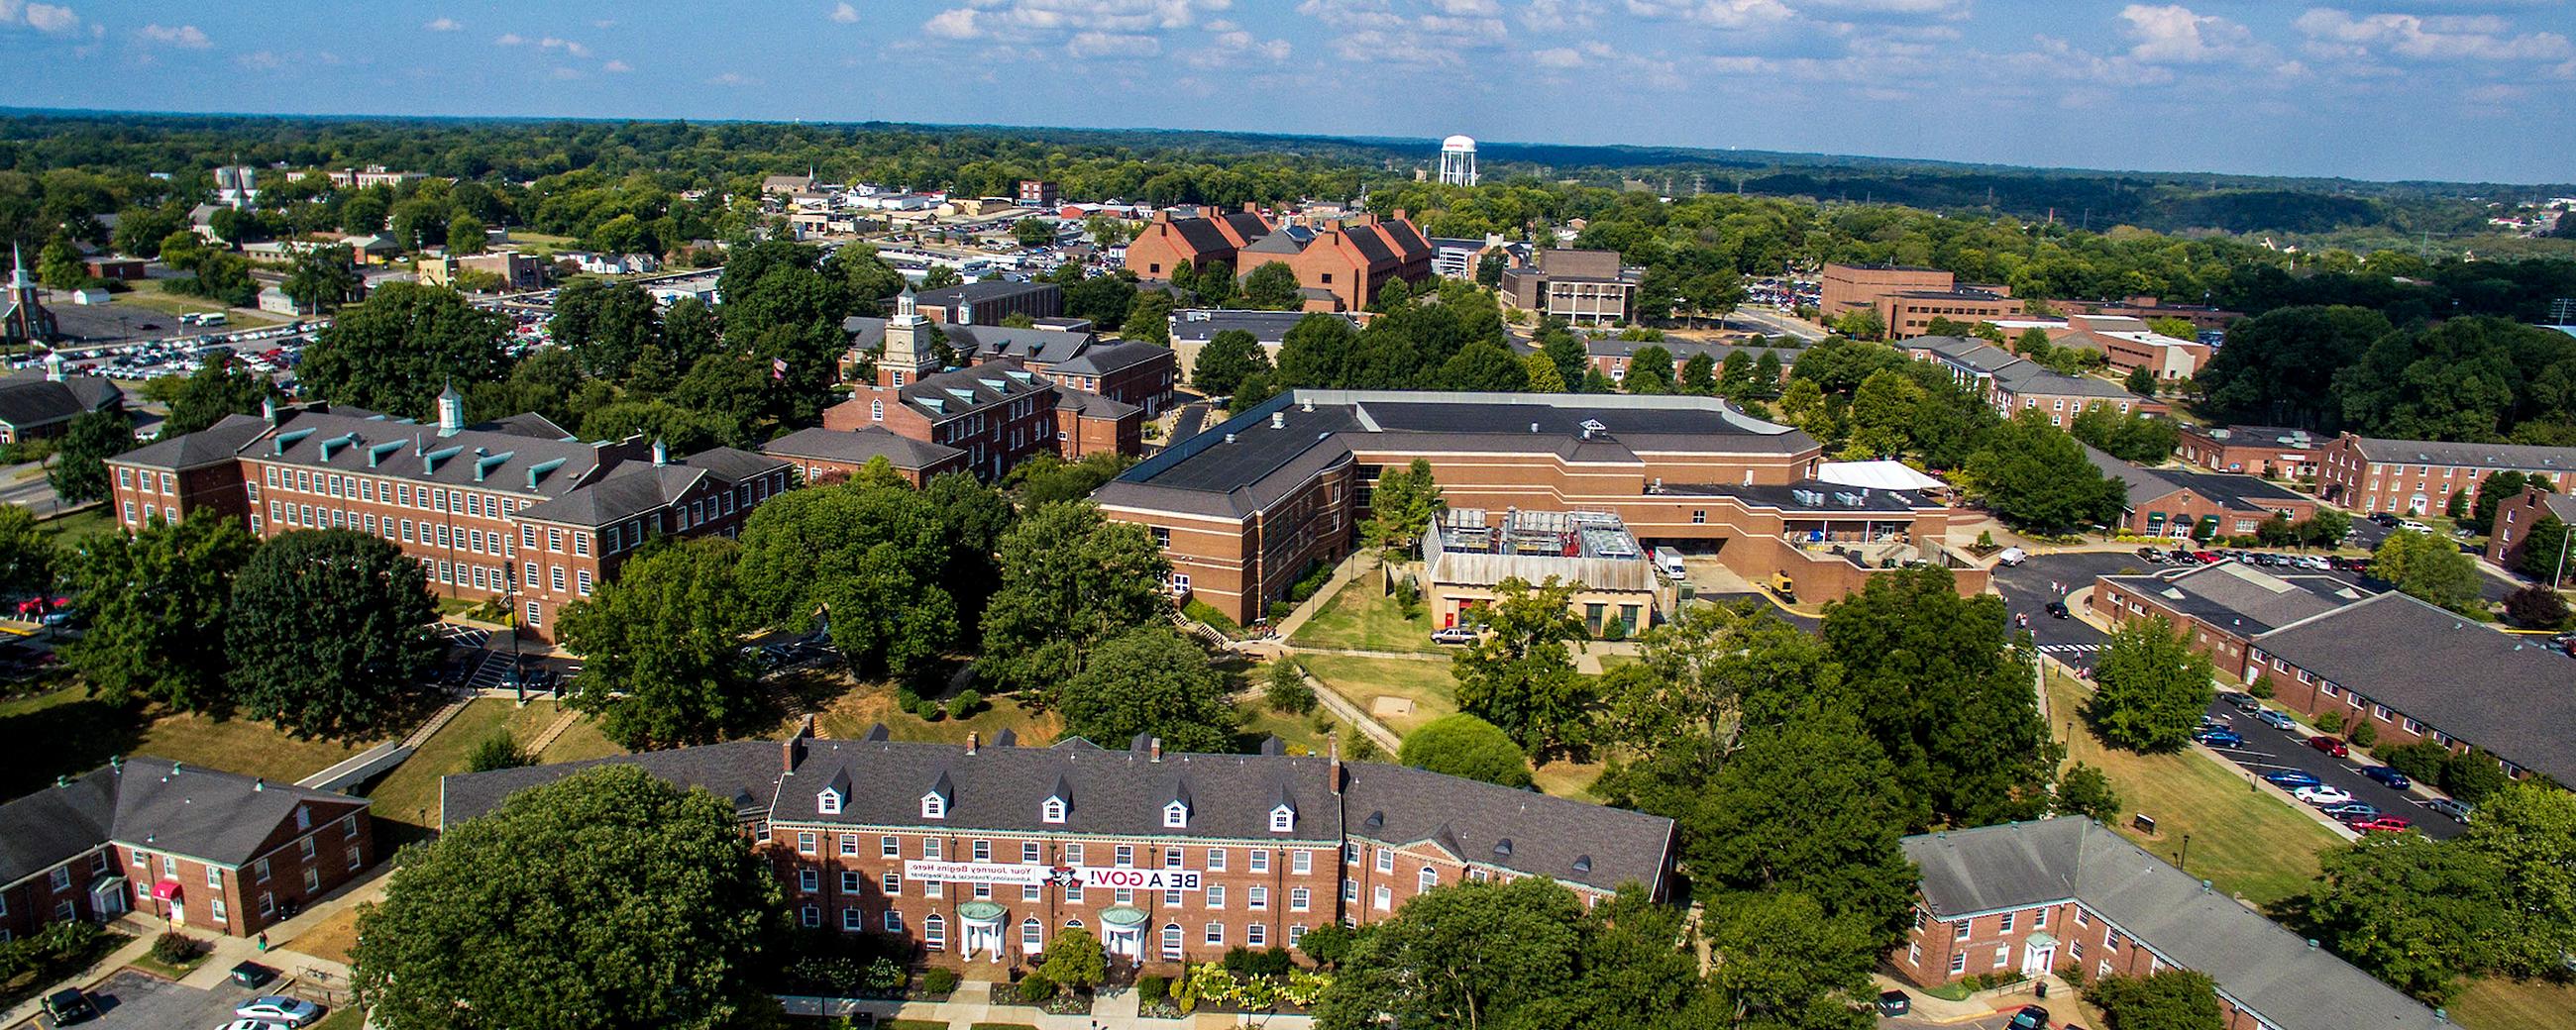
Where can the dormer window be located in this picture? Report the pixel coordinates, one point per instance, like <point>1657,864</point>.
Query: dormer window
<point>1052,811</point>
<point>934,807</point>
<point>828,802</point>
<point>1176,815</point>
<point>1283,819</point>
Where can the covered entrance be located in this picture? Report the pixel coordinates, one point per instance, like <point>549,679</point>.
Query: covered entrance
<point>980,924</point>
<point>2038,955</point>
<point>107,897</point>
<point>175,908</point>
<point>1122,932</point>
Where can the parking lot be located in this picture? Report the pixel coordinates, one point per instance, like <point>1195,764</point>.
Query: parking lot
<point>134,1001</point>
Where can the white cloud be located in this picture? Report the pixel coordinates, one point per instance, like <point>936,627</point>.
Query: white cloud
<point>567,73</point>
<point>2175,35</point>
<point>185,37</point>
<point>1430,30</point>
<point>1130,45</point>
<point>954,24</point>
<point>565,45</point>
<point>52,18</point>
<point>2338,34</point>
<point>1725,14</point>
<point>510,39</point>
<point>443,25</point>
<point>1558,15</point>
<point>980,18</point>
<point>261,61</point>
<point>1232,46</point>
<point>732,79</point>
<point>617,66</point>
<point>844,13</point>
<point>1572,56</point>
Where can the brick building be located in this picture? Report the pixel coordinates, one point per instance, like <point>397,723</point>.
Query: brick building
<point>2419,476</point>
<point>2513,522</point>
<point>2418,672</point>
<point>1170,241</point>
<point>1576,285</point>
<point>1341,264</point>
<point>1192,328</point>
<point>2221,607</point>
<point>2037,897</point>
<point>2272,452</point>
<point>2012,383</point>
<point>210,851</point>
<point>2169,502</point>
<point>1907,298</point>
<point>983,852</point>
<point>2201,316</point>
<point>990,301</point>
<point>1039,193</point>
<point>817,453</point>
<point>40,403</point>
<point>1244,508</point>
<point>515,510</point>
<point>1127,371</point>
<point>2127,344</point>
<point>517,271</point>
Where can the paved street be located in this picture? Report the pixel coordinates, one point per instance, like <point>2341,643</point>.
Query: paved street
<point>134,1001</point>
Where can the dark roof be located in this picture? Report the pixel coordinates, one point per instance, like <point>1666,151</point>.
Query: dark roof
<point>2256,963</point>
<point>1201,236</point>
<point>981,292</point>
<point>2242,598</point>
<point>1524,831</point>
<point>857,446</point>
<point>151,803</point>
<point>28,399</point>
<point>1200,325</point>
<point>947,395</point>
<point>54,825</point>
<point>2236,492</point>
<point>2490,689</point>
<point>2259,436</point>
<point>214,444</point>
<point>1401,235</point>
<point>1118,792</point>
<point>734,770</point>
<point>1102,359</point>
<point>488,455</point>
<point>2473,455</point>
<point>1372,247</point>
<point>1091,405</point>
<point>987,342</point>
<point>1284,241</point>
<point>637,487</point>
<point>1246,224</point>
<point>1681,350</point>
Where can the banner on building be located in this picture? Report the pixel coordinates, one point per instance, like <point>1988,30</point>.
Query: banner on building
<point>1090,877</point>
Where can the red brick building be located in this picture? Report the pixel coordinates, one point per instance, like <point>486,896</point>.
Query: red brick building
<point>984,852</point>
<point>2419,476</point>
<point>2514,520</point>
<point>2203,505</point>
<point>2221,608</point>
<point>1170,241</point>
<point>2071,894</point>
<point>2127,344</point>
<point>1907,298</point>
<point>2272,452</point>
<point>1342,264</point>
<point>818,453</point>
<point>210,851</point>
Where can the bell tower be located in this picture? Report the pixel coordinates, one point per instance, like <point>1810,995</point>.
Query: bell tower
<point>908,353</point>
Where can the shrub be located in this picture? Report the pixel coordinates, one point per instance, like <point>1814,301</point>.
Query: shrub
<point>1364,748</point>
<point>1408,598</point>
<point>1280,611</point>
<point>173,948</point>
<point>966,703</point>
<point>1036,988</point>
<point>1327,944</point>
<point>929,710</point>
<point>1286,689</point>
<point>939,981</point>
<point>2330,721</point>
<point>2535,607</point>
<point>2262,687</point>
<point>905,698</point>
<point>1151,989</point>
<point>886,974</point>
<point>2364,734</point>
<point>2422,760</point>
<point>2087,791</point>
<point>497,751</point>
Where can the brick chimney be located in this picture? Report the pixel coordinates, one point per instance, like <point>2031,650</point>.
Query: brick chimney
<point>1399,214</point>
<point>792,749</point>
<point>1154,750</point>
<point>973,739</point>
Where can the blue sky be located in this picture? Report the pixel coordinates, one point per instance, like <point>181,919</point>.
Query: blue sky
<point>2382,89</point>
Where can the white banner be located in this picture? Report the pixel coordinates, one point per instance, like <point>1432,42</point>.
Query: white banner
<point>1109,877</point>
<point>979,872</point>
<point>1140,879</point>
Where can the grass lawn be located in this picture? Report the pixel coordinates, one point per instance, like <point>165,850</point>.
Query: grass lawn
<point>2499,1004</point>
<point>342,1019</point>
<point>1361,619</point>
<point>66,733</point>
<point>1568,779</point>
<point>849,716</point>
<point>1362,681</point>
<point>579,741</point>
<point>2244,841</point>
<point>69,530</point>
<point>1297,731</point>
<point>409,794</point>
<point>1612,662</point>
<point>331,938</point>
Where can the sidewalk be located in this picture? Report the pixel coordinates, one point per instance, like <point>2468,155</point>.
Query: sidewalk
<point>1110,1011</point>
<point>2063,1008</point>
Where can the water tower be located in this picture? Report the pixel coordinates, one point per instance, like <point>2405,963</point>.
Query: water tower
<point>1458,161</point>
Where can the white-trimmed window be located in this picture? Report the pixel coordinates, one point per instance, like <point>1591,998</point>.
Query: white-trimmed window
<point>1176,815</point>
<point>1256,935</point>
<point>891,883</point>
<point>933,806</point>
<point>1052,811</point>
<point>930,849</point>
<point>811,915</point>
<point>809,880</point>
<point>804,842</point>
<point>1216,860</point>
<point>1172,941</point>
<point>1301,862</point>
<point>1216,933</point>
<point>890,846</point>
<point>893,921</point>
<point>850,882</point>
<point>1216,895</point>
<point>1386,860</point>
<point>1426,879</point>
<point>1958,962</point>
<point>1256,897</point>
<point>934,932</point>
<point>851,920</point>
<point>1959,930</point>
<point>1383,899</point>
<point>1028,851</point>
<point>1283,819</point>
<point>849,844</point>
<point>828,802</point>
<point>1126,855</point>
<point>1260,860</point>
<point>1032,936</point>
<point>1298,899</point>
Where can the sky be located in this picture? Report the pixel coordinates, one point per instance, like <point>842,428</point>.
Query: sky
<point>2481,90</point>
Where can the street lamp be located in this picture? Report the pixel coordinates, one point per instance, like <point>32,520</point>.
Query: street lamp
<point>2183,862</point>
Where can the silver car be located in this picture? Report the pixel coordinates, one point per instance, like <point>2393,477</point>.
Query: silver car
<point>280,1009</point>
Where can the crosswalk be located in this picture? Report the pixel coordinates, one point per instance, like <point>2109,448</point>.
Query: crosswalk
<point>2069,648</point>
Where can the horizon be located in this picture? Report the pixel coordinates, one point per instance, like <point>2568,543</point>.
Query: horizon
<point>2215,87</point>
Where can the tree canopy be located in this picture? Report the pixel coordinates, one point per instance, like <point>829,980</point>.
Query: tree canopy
<point>661,646</point>
<point>1070,580</point>
<point>154,598</point>
<point>397,350</point>
<point>1150,680</point>
<point>2154,687</point>
<point>1459,744</point>
<point>2428,568</point>
<point>329,633</point>
<point>1519,675</point>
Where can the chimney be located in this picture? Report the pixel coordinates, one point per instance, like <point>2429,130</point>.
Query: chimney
<point>792,749</point>
<point>973,739</point>
<point>258,784</point>
<point>1154,750</point>
<point>1399,214</point>
<point>268,410</point>
<point>1333,753</point>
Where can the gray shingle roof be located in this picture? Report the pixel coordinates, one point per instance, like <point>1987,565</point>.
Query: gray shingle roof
<point>220,442</point>
<point>28,399</point>
<point>2472,455</point>
<point>1100,359</point>
<point>2256,962</point>
<point>981,292</point>
<point>744,772</point>
<point>1269,327</point>
<point>44,829</point>
<point>946,395</point>
<point>344,441</point>
<point>157,804</point>
<point>2491,689</point>
<point>2243,598</point>
<point>634,488</point>
<point>1524,831</point>
<point>857,446</point>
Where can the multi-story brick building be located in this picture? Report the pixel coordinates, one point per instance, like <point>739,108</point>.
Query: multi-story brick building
<point>2221,607</point>
<point>1908,298</point>
<point>2202,317</point>
<point>1198,240</point>
<point>1039,193</point>
<point>515,510</point>
<point>2039,897</point>
<point>1341,264</point>
<point>207,850</point>
<point>2128,344</point>
<point>1576,285</point>
<point>2272,452</point>
<point>2419,476</point>
<point>990,301</point>
<point>818,453</point>
<point>1245,508</point>
<point>2167,502</point>
<point>2417,672</point>
<point>984,852</point>
<point>1611,355</point>
<point>2514,520</point>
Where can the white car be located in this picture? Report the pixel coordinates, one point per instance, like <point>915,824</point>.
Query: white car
<point>2411,524</point>
<point>278,1008</point>
<point>255,1024</point>
<point>2321,795</point>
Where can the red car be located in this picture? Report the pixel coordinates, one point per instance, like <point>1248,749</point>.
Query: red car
<point>2383,824</point>
<point>2205,557</point>
<point>2330,745</point>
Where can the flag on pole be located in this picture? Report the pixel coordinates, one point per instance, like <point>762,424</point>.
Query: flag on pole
<point>778,368</point>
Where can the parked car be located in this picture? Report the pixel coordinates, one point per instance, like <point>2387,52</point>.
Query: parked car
<point>278,1008</point>
<point>2383,824</point>
<point>2275,720</point>
<point>2330,745</point>
<point>2383,518</point>
<point>69,1005</point>
<point>1455,636</point>
<point>2151,555</point>
<point>2292,779</point>
<point>2057,610</point>
<point>2244,702</point>
<point>2387,777</point>
<point>2031,1017</point>
<point>256,1024</point>
<point>2350,810</point>
<point>2458,810</point>
<point>2321,794</point>
<point>2219,737</point>
<point>2413,526</point>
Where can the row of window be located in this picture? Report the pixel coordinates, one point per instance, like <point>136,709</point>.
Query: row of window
<point>169,483</point>
<point>934,930</point>
<point>473,503</point>
<point>1216,859</point>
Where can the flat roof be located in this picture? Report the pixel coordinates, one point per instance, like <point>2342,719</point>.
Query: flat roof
<point>2244,598</point>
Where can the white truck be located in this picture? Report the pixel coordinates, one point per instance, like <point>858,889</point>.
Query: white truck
<point>1669,562</point>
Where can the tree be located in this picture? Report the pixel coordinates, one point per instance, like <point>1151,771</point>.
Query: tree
<point>1047,479</point>
<point>2178,328</point>
<point>972,519</point>
<point>2536,607</point>
<point>1075,959</point>
<point>329,631</point>
<point>1882,415</point>
<point>2140,381</point>
<point>395,351</point>
<point>1520,674</point>
<point>1070,580</point>
<point>1650,371</point>
<point>1861,324</point>
<point>1939,684</point>
<point>2412,911</point>
<point>2086,790</point>
<point>605,324</point>
<point>1785,963</point>
<point>608,899</point>
<point>1810,804</point>
<point>1150,320</point>
<point>2497,488</point>
<point>873,557</point>
<point>154,599</point>
<point>27,553</point>
<point>499,750</point>
<point>2034,475</point>
<point>1315,352</point>
<point>1401,508</point>
<point>218,388</point>
<point>1460,744</point>
<point>1271,286</point>
<point>1543,377</point>
<point>1104,299</point>
<point>1699,374</point>
<point>661,646</point>
<point>1522,954</point>
<point>2429,569</point>
<point>323,279</point>
<point>1483,366</point>
<point>466,234</point>
<point>1228,357</point>
<point>1153,681</point>
<point>79,471</point>
<point>1033,232</point>
<point>1285,688</point>
<point>2175,999</point>
<point>59,267</point>
<point>2528,831</point>
<point>2545,554</point>
<point>1489,268</point>
<point>2154,687</point>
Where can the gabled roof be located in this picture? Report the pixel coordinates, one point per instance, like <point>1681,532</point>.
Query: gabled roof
<point>734,770</point>
<point>637,487</point>
<point>2257,963</point>
<point>212,445</point>
<point>28,399</point>
<point>2243,598</point>
<point>1559,838</point>
<point>157,805</point>
<point>54,825</point>
<point>2561,460</point>
<point>1100,359</point>
<point>858,446</point>
<point>946,395</point>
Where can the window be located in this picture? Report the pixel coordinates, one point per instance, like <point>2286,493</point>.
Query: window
<point>2000,952</point>
<point>1052,811</point>
<point>849,844</point>
<point>1959,930</point>
<point>933,888</point>
<point>305,848</point>
<point>933,807</point>
<point>62,878</point>
<point>1385,860</point>
<point>1257,898</point>
<point>2039,920</point>
<point>1176,815</point>
<point>2081,919</point>
<point>804,842</point>
<point>1351,891</point>
<point>1283,819</point>
<point>1171,858</point>
<point>809,880</point>
<point>1216,933</point>
<point>891,883</point>
<point>1425,880</point>
<point>267,903</point>
<point>1257,935</point>
<point>1216,895</point>
<point>893,921</point>
<point>1298,899</point>
<point>1958,962</point>
<point>811,915</point>
<point>1296,935</point>
<point>1032,936</point>
<point>581,579</point>
<point>1301,862</point>
<point>1172,941</point>
<point>214,877</point>
<point>1383,898</point>
<point>312,880</point>
<point>851,921</point>
<point>1073,854</point>
<point>889,846</point>
<point>1260,860</point>
<point>2004,924</point>
<point>850,882</point>
<point>1350,854</point>
<point>934,932</point>
<point>214,908</point>
<point>1126,855</point>
<point>1216,860</point>
<point>1073,892</point>
<point>930,848</point>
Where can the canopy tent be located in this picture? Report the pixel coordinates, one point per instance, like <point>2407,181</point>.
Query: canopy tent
<point>1876,475</point>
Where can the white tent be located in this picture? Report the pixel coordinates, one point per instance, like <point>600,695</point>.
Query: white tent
<point>1876,475</point>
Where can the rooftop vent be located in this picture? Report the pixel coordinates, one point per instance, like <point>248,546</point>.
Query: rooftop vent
<point>1278,420</point>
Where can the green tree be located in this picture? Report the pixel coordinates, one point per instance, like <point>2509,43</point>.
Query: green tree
<point>2086,790</point>
<point>605,324</point>
<point>2414,912</point>
<point>79,472</point>
<point>1228,357</point>
<point>2545,549</point>
<point>1489,268</point>
<point>2154,687</point>
<point>28,556</point>
<point>2034,475</point>
<point>397,350</point>
<point>218,388</point>
<point>1070,580</point>
<point>1650,371</point>
<point>1460,744</point>
<point>1033,232</point>
<point>1316,351</point>
<point>1861,324</point>
<point>2175,999</point>
<point>1271,286</point>
<point>1785,963</point>
<point>1285,688</point>
<point>1810,804</point>
<point>1401,508</point>
<point>1522,954</point>
<point>1699,374</point>
<point>323,279</point>
<point>874,558</point>
<point>1075,959</point>
<point>2528,830</point>
<point>2140,381</point>
<point>2429,569</point>
<point>1150,320</point>
<point>2178,328</point>
<point>2536,607</point>
<point>2497,488</point>
<point>154,599</point>
<point>329,631</point>
<point>661,646</point>
<point>609,899</point>
<point>59,267</point>
<point>1520,674</point>
<point>1883,415</point>
<point>1150,680</point>
<point>1047,479</point>
<point>1483,366</point>
<point>466,234</point>
<point>498,750</point>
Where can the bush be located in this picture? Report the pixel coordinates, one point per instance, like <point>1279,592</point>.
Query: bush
<point>2262,687</point>
<point>939,981</point>
<point>2087,791</point>
<point>1327,944</point>
<point>2535,607</point>
<point>2364,734</point>
<point>497,751</point>
<point>966,703</point>
<point>929,710</point>
<point>907,699</point>
<point>2422,760</point>
<point>1408,598</point>
<point>1037,988</point>
<point>1280,611</point>
<point>1364,748</point>
<point>1316,576</point>
<point>173,948</point>
<point>2330,720</point>
<point>1286,689</point>
<point>886,974</point>
<point>1151,989</point>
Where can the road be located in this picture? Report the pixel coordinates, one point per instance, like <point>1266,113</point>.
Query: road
<point>1773,323</point>
<point>133,1001</point>
<point>2026,588</point>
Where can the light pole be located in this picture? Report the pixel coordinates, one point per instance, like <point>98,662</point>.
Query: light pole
<point>2184,861</point>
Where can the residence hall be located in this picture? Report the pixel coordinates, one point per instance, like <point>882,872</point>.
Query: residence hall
<point>2036,897</point>
<point>2012,384</point>
<point>1342,263</point>
<point>2272,452</point>
<point>1467,556</point>
<point>990,301</point>
<point>2128,344</point>
<point>819,453</point>
<point>1192,329</point>
<point>2221,608</point>
<point>2201,505</point>
<point>1244,508</point>
<point>983,852</point>
<point>1584,286</point>
<point>1908,298</point>
<point>2513,522</point>
<point>2414,477</point>
<point>208,851</point>
<point>1187,237</point>
<point>2418,672</point>
<point>515,511</point>
<point>1610,355</point>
